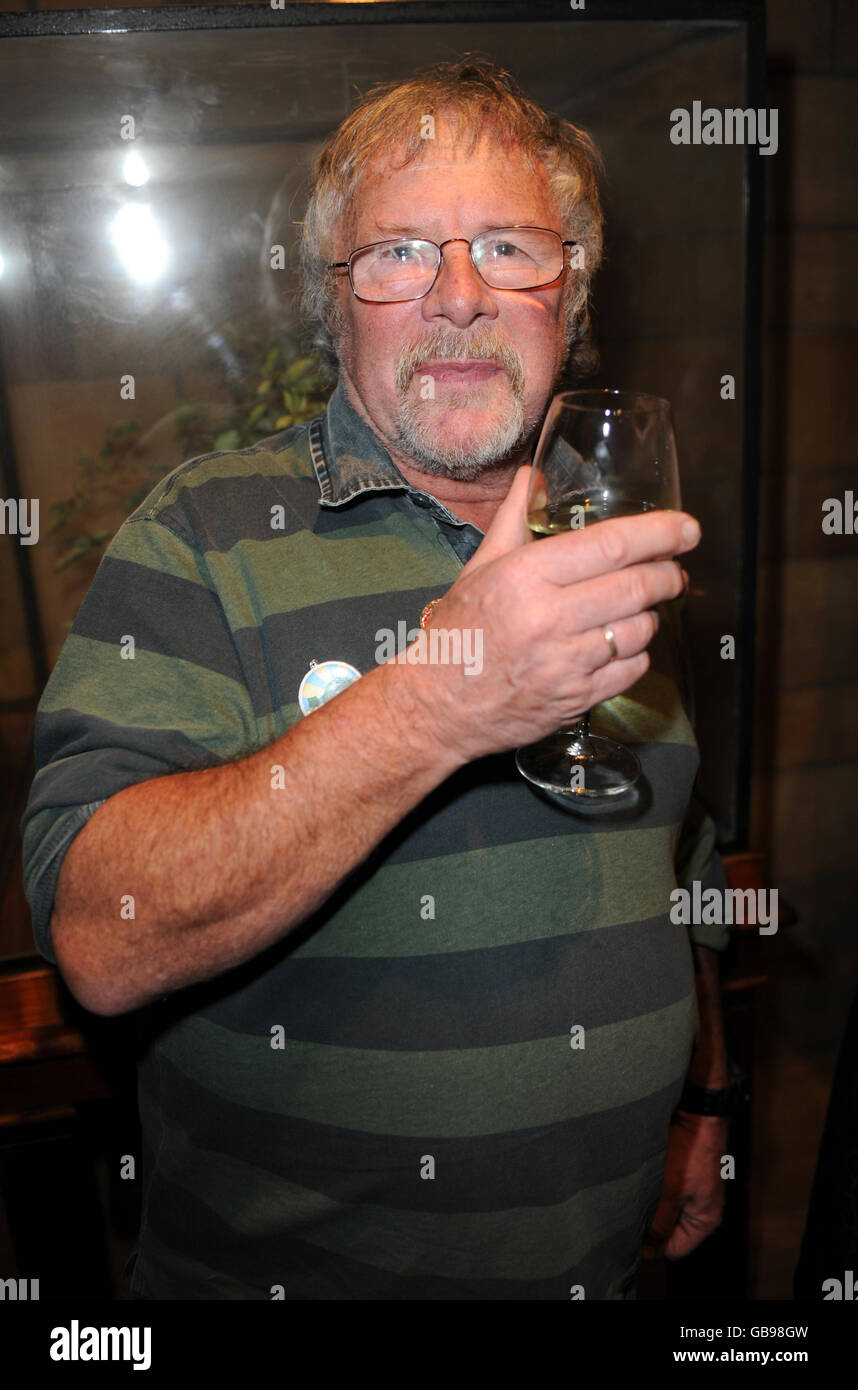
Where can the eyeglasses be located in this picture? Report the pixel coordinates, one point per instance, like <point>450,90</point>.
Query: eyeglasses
<point>506,258</point>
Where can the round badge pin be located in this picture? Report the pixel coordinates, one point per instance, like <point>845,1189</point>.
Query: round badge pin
<point>323,681</point>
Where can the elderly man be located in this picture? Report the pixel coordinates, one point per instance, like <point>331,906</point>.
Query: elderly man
<point>359,941</point>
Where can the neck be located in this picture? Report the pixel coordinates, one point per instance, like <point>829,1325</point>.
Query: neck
<point>491,485</point>
<point>476,501</point>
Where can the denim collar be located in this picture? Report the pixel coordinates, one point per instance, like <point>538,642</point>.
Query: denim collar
<point>349,459</point>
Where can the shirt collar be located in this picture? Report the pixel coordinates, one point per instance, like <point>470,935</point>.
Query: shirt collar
<point>348,457</point>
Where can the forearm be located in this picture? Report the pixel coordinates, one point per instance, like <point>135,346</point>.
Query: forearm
<point>220,863</point>
<point>709,1063</point>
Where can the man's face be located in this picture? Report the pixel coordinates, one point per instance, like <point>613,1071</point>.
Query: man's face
<point>494,356</point>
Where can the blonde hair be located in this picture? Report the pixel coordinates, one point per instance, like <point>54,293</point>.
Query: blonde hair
<point>477,98</point>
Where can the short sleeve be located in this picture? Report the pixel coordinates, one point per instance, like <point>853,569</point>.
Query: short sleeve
<point>148,683</point>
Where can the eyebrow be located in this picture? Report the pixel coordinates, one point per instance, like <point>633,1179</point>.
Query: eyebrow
<point>419,234</point>
<point>396,231</point>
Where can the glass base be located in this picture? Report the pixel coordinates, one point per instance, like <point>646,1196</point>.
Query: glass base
<point>575,767</point>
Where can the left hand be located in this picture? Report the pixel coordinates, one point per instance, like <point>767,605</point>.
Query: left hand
<point>692,1198</point>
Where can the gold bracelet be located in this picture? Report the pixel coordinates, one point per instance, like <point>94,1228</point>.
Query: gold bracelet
<point>427,611</point>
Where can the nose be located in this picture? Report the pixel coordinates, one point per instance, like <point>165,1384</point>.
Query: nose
<point>459,293</point>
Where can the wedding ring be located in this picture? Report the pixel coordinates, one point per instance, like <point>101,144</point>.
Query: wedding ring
<point>608,634</point>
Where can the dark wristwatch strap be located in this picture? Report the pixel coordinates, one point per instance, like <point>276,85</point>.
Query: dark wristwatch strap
<point>723,1102</point>
<point>698,1100</point>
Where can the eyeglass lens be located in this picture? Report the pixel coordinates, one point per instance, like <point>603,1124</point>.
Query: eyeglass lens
<point>509,258</point>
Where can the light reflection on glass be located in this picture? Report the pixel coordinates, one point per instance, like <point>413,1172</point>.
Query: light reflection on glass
<point>137,237</point>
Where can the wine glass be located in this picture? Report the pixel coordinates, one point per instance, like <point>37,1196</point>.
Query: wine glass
<point>601,454</point>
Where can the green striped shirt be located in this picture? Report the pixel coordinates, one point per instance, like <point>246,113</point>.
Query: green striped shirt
<point>393,1102</point>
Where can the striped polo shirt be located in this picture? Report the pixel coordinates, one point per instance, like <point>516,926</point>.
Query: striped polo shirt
<point>454,1080</point>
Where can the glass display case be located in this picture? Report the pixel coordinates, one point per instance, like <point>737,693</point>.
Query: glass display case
<point>154,166</point>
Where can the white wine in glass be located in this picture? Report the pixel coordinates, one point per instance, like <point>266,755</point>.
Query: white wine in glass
<point>601,454</point>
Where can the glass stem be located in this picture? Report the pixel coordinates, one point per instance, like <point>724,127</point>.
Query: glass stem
<point>580,732</point>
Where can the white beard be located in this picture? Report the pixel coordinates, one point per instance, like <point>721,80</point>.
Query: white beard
<point>419,436</point>
<point>468,456</point>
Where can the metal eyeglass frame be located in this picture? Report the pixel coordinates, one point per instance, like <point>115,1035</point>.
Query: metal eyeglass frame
<point>392,241</point>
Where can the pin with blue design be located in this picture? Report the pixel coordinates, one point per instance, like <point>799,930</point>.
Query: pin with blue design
<point>323,681</point>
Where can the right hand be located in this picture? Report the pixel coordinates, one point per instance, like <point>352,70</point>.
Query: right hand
<point>543,609</point>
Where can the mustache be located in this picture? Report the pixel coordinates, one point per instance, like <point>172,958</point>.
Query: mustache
<point>450,346</point>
